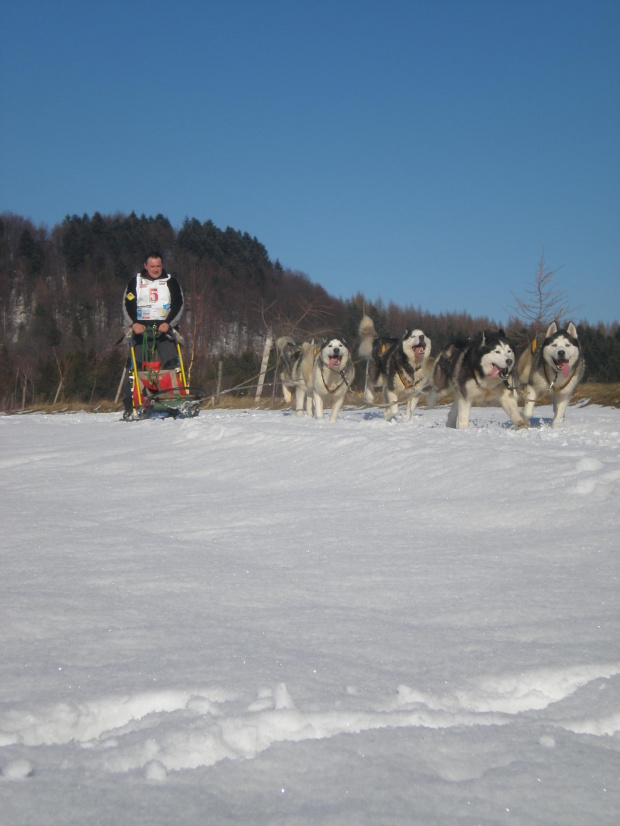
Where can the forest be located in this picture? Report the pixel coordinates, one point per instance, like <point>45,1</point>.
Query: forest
<point>62,326</point>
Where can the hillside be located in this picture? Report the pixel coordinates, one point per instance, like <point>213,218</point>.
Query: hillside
<point>61,295</point>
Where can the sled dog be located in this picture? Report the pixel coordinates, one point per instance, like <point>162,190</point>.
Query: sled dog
<point>557,366</point>
<point>328,372</point>
<point>480,369</point>
<point>291,356</point>
<point>401,368</point>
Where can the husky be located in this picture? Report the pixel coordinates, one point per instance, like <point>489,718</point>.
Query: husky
<point>328,371</point>
<point>291,356</point>
<point>400,367</point>
<point>557,366</point>
<point>480,369</point>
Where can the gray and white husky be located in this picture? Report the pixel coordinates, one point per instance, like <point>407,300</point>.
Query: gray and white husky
<point>291,356</point>
<point>480,369</point>
<point>328,371</point>
<point>401,368</point>
<point>556,366</point>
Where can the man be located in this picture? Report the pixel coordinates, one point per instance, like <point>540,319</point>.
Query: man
<point>152,308</point>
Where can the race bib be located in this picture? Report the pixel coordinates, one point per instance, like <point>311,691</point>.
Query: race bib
<point>153,300</point>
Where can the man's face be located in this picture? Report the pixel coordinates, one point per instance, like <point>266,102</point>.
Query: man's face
<point>154,266</point>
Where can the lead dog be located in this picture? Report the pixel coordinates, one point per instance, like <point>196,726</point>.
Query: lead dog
<point>328,372</point>
<point>477,370</point>
<point>291,357</point>
<point>400,367</point>
<point>557,366</point>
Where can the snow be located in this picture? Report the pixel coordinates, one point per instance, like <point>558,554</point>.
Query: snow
<point>253,618</point>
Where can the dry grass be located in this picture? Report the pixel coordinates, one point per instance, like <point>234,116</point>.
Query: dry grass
<point>607,395</point>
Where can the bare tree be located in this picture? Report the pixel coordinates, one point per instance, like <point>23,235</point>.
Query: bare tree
<point>310,314</point>
<point>544,301</point>
<point>197,295</point>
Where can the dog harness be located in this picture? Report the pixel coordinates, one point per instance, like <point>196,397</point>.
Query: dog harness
<point>338,386</point>
<point>553,381</point>
<point>404,380</point>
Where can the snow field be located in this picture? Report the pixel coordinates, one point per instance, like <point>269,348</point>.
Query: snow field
<point>258,618</point>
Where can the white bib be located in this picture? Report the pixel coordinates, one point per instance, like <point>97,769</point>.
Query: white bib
<point>153,299</point>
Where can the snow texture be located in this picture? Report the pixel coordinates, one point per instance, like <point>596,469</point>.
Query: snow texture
<point>253,618</point>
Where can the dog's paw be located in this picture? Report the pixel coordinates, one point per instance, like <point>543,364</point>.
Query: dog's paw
<point>522,424</point>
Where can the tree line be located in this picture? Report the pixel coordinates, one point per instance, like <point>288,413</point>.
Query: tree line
<point>61,290</point>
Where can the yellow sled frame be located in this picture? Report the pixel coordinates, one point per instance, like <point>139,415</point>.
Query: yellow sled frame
<point>194,404</point>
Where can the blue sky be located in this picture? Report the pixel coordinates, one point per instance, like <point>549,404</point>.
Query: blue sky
<point>422,152</point>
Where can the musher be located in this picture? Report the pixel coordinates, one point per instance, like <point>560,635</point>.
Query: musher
<point>152,308</point>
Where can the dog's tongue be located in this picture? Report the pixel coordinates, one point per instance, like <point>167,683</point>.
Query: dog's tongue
<point>495,371</point>
<point>563,365</point>
<point>419,352</point>
<point>333,362</point>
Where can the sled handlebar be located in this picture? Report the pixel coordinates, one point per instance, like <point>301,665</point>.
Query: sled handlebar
<point>171,333</point>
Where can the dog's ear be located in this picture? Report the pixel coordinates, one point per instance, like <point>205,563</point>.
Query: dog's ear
<point>501,333</point>
<point>572,330</point>
<point>551,329</point>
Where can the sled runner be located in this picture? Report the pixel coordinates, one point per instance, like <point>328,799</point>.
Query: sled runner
<point>161,392</point>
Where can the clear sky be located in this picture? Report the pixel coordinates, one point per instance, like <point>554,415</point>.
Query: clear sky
<point>419,151</point>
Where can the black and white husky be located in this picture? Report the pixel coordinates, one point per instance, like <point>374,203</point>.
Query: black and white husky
<point>291,357</point>
<point>328,371</point>
<point>481,369</point>
<point>556,366</point>
<point>401,368</point>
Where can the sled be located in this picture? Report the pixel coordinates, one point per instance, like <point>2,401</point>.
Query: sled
<point>162,393</point>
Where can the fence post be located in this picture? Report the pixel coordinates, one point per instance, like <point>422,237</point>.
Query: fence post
<point>263,367</point>
<point>218,386</point>
<point>120,385</point>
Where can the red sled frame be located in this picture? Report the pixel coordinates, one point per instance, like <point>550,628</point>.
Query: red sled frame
<point>164,392</point>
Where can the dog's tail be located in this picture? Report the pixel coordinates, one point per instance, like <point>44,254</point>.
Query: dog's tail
<point>367,334</point>
<point>525,363</point>
<point>283,341</point>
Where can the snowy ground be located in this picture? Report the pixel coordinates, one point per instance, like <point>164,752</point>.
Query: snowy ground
<point>249,618</point>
